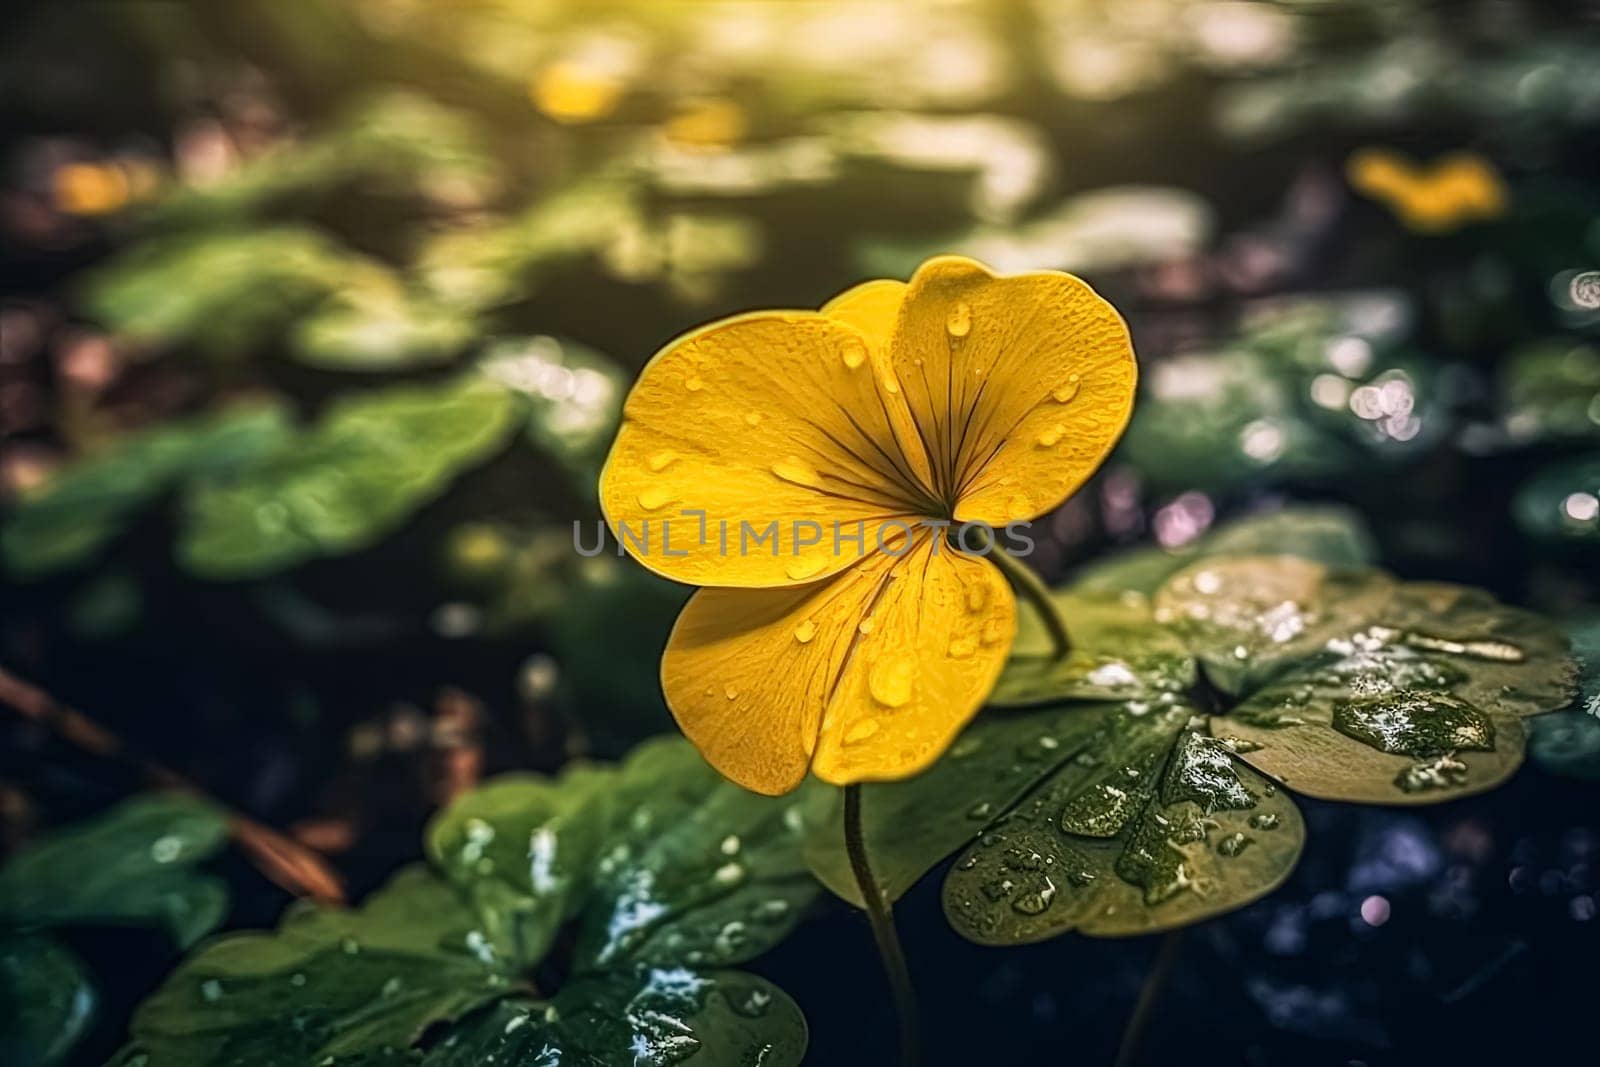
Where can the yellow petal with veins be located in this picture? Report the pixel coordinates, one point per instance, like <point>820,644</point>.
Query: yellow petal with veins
<point>1019,385</point>
<point>768,682</point>
<point>772,423</point>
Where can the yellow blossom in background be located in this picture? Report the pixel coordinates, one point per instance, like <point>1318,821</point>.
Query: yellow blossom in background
<point>100,188</point>
<point>574,92</point>
<point>959,396</point>
<point>1455,190</point>
<point>706,124</point>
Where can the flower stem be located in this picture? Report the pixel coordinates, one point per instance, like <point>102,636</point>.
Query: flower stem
<point>1033,589</point>
<point>882,920</point>
<point>1154,982</point>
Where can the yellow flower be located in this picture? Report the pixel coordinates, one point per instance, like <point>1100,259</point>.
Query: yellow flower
<point>957,397</point>
<point>1457,189</point>
<point>573,93</point>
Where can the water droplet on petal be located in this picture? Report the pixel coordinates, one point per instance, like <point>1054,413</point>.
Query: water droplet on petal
<point>694,383</point>
<point>891,681</point>
<point>731,692</point>
<point>854,353</point>
<point>798,471</point>
<point>962,647</point>
<point>805,631</point>
<point>662,460</point>
<point>861,731</point>
<point>890,385</point>
<point>1066,391</point>
<point>1052,436</point>
<point>655,498</point>
<point>959,321</point>
<point>866,626</point>
<point>753,419</point>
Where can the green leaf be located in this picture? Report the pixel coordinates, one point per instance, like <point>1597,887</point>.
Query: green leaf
<point>328,983</point>
<point>1552,391</point>
<point>1116,653</point>
<point>132,865</point>
<point>1245,618</point>
<point>46,1001</point>
<point>377,324</point>
<point>631,885</point>
<point>1419,702</point>
<point>1128,840</point>
<point>653,1015</point>
<point>224,293</point>
<point>360,472</point>
<point>697,870</point>
<point>70,518</point>
<point>661,860</point>
<point>1326,533</point>
<point>522,847</point>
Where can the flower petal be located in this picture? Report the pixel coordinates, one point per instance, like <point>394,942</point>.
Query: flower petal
<point>768,418</point>
<point>867,676</point>
<point>1020,385</point>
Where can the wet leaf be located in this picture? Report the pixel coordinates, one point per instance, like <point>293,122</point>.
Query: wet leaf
<point>661,860</point>
<point>327,983</point>
<point>1117,653</point>
<point>1128,842</point>
<point>628,887</point>
<point>653,1015</point>
<point>70,518</point>
<point>1245,618</point>
<point>523,847</point>
<point>132,865</point>
<point>1418,702</point>
<point>46,1001</point>
<point>362,470</point>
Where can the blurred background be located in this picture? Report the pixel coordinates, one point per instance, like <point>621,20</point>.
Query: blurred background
<point>316,318</point>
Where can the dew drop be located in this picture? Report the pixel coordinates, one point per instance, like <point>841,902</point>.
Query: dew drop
<point>1233,844</point>
<point>861,731</point>
<point>798,471</point>
<point>1066,391</point>
<point>865,626</point>
<point>981,810</point>
<point>962,647</point>
<point>694,383</point>
<point>655,498</point>
<point>805,631</point>
<point>1035,901</point>
<point>891,681</point>
<point>753,418</point>
<point>1052,436</point>
<point>854,353</point>
<point>731,692</point>
<point>661,461</point>
<point>959,322</point>
<point>1265,820</point>
<point>889,384</point>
